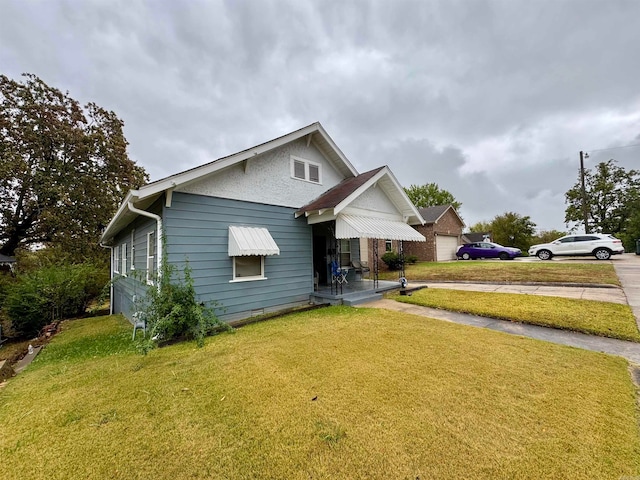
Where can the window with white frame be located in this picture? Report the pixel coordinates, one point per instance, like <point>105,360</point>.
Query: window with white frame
<point>388,246</point>
<point>306,170</point>
<point>151,257</point>
<point>133,251</point>
<point>124,258</point>
<point>248,267</point>
<point>116,259</point>
<point>345,252</point>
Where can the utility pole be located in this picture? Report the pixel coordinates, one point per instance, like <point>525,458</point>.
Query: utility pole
<point>585,214</point>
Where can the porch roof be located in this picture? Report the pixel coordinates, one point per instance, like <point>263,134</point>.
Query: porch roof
<point>357,226</point>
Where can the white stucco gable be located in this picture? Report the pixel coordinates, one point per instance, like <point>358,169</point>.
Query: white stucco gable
<point>241,176</point>
<point>268,178</point>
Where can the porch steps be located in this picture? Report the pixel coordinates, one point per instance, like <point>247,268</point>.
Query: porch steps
<point>364,297</point>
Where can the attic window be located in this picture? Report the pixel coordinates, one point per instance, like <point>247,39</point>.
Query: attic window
<point>306,170</point>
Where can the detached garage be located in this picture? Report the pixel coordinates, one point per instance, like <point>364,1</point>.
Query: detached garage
<point>443,231</point>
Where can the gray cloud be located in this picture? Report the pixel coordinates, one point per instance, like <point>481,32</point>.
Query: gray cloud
<point>490,99</point>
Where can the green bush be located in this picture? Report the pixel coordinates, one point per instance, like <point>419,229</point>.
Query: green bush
<point>172,310</point>
<point>412,259</point>
<point>392,259</point>
<point>51,293</point>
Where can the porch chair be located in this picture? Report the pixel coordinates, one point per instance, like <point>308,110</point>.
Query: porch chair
<point>360,268</point>
<point>338,274</point>
<point>139,322</point>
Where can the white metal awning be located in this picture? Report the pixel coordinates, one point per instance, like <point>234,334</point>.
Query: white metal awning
<point>251,241</point>
<point>357,226</point>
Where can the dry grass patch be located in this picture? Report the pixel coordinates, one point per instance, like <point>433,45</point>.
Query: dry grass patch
<point>586,316</point>
<point>509,272</point>
<point>334,393</point>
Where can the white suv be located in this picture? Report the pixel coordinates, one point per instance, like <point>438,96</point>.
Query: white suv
<point>599,244</point>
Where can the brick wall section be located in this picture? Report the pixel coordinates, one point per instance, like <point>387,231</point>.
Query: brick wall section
<point>425,251</point>
<point>448,224</point>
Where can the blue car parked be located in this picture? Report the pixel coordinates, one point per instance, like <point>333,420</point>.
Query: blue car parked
<point>487,250</point>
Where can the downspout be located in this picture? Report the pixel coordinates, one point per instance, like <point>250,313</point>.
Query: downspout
<point>110,277</point>
<point>159,241</point>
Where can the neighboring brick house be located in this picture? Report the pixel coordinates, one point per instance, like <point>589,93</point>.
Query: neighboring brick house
<point>443,231</point>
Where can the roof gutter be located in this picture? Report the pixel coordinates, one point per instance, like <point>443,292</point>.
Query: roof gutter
<point>159,239</point>
<point>110,276</point>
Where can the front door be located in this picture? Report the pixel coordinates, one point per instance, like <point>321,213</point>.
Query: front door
<point>320,258</point>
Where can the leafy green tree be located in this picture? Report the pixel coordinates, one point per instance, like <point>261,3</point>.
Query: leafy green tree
<point>480,227</point>
<point>547,236</point>
<point>513,230</point>
<point>63,169</point>
<point>430,195</point>
<point>612,195</point>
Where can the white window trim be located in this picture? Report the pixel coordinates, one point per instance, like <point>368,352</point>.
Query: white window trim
<point>116,259</point>
<point>307,176</point>
<point>133,251</point>
<point>123,256</point>
<point>151,258</point>
<point>248,279</point>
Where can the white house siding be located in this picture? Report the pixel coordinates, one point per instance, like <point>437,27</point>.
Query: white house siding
<point>375,201</point>
<point>197,230</point>
<point>267,178</point>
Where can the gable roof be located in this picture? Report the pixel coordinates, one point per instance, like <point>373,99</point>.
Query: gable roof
<point>6,260</point>
<point>435,213</point>
<point>336,199</point>
<point>332,197</point>
<point>149,193</point>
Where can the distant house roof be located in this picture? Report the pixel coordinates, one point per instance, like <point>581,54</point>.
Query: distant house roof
<point>435,213</point>
<point>473,237</point>
<point>6,260</point>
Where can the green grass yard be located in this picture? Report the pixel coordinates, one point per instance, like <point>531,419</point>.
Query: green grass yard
<point>332,393</point>
<point>509,272</point>
<point>586,316</point>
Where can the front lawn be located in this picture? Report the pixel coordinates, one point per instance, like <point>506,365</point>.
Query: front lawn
<point>586,316</point>
<point>333,393</point>
<point>509,272</point>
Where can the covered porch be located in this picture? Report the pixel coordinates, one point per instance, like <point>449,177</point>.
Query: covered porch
<point>354,292</point>
<point>346,271</point>
<point>371,205</point>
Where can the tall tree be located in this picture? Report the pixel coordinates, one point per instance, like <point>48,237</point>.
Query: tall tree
<point>547,236</point>
<point>63,169</point>
<point>430,195</point>
<point>480,227</point>
<point>611,193</point>
<point>513,230</point>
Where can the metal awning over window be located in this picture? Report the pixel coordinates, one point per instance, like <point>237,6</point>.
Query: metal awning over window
<point>245,241</point>
<point>356,226</point>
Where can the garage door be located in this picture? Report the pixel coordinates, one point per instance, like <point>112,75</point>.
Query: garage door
<point>446,247</point>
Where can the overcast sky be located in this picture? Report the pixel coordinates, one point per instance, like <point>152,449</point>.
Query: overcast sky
<point>491,100</point>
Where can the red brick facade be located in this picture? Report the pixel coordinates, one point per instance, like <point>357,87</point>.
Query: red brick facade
<point>448,224</point>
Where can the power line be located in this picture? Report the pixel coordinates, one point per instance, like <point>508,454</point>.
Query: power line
<point>612,148</point>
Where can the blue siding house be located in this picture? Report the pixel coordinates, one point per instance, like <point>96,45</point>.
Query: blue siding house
<point>259,228</point>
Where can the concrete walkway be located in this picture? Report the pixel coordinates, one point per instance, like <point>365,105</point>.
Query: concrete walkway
<point>627,268</point>
<point>599,293</point>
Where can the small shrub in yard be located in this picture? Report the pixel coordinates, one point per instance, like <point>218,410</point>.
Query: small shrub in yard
<point>51,293</point>
<point>412,259</point>
<point>172,311</point>
<point>393,260</point>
